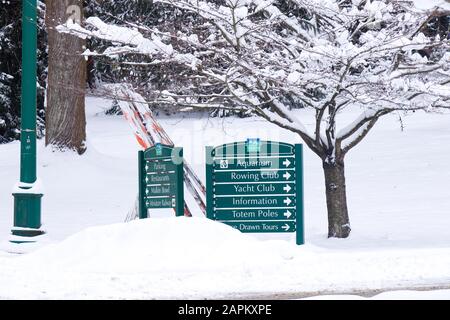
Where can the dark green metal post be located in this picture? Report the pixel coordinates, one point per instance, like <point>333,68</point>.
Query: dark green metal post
<point>141,167</point>
<point>209,183</point>
<point>299,194</point>
<point>179,207</point>
<point>27,203</point>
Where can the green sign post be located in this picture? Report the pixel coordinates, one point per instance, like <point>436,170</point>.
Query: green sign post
<point>27,202</point>
<point>256,186</point>
<point>161,179</point>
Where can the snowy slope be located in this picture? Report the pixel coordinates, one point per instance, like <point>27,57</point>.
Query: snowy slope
<point>79,191</point>
<point>398,200</point>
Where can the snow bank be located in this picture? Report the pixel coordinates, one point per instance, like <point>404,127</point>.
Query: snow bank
<point>156,245</point>
<point>197,258</point>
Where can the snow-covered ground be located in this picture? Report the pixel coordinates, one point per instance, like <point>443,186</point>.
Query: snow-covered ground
<point>398,196</point>
<point>392,295</point>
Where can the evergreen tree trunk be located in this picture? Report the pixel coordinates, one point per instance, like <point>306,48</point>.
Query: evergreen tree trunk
<point>65,114</point>
<point>338,220</point>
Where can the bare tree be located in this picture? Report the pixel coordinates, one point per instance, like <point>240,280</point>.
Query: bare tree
<point>272,58</point>
<point>65,115</point>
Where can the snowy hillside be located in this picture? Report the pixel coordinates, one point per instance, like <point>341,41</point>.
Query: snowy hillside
<point>398,201</point>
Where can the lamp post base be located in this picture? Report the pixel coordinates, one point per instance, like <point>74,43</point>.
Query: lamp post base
<point>27,214</point>
<point>22,236</point>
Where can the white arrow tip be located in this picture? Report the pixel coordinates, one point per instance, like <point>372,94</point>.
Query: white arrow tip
<point>287,175</point>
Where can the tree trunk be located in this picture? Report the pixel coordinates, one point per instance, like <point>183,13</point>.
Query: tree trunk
<point>65,115</point>
<point>338,221</point>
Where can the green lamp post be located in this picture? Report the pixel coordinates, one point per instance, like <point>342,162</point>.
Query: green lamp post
<point>27,196</point>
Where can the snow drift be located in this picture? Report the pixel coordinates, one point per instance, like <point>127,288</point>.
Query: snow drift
<point>197,258</point>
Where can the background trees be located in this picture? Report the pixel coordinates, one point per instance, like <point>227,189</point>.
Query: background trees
<point>10,69</point>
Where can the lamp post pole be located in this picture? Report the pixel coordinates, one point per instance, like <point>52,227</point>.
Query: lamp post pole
<point>27,196</point>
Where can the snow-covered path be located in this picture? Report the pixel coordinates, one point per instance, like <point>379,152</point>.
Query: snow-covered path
<point>399,204</point>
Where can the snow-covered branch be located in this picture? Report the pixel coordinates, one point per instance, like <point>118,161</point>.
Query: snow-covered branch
<point>264,57</point>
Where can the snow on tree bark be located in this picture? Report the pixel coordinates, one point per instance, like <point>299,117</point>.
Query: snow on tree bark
<point>66,120</point>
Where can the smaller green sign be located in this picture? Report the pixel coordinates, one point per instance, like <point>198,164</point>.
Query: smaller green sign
<point>160,202</point>
<point>263,226</point>
<point>161,179</point>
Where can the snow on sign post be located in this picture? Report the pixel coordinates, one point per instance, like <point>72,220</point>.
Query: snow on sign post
<point>161,179</point>
<point>256,186</point>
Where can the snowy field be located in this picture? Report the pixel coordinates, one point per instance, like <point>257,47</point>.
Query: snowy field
<point>399,203</point>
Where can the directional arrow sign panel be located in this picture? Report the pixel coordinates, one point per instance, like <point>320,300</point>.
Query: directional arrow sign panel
<point>255,214</point>
<point>263,226</point>
<point>256,186</point>
<point>255,202</point>
<point>262,175</point>
<point>243,163</point>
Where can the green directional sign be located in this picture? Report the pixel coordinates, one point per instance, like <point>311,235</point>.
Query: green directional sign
<point>161,190</point>
<point>256,186</point>
<point>161,179</point>
<point>160,202</point>
<point>160,166</point>
<point>254,175</point>
<point>255,214</point>
<point>245,163</point>
<point>263,226</point>
<point>255,202</point>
